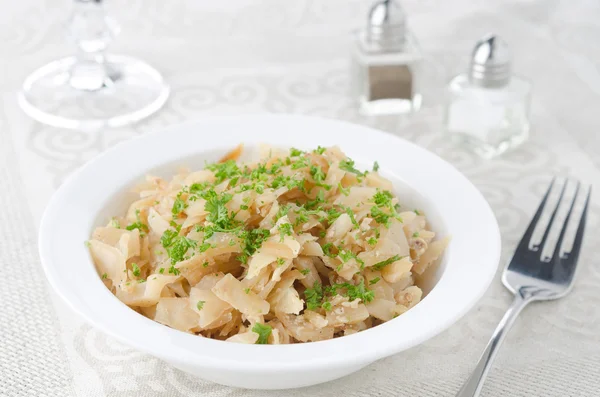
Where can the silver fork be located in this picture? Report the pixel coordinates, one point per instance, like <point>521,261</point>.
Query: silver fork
<point>531,277</point>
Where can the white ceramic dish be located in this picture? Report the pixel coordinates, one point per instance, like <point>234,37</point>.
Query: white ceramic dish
<point>422,180</point>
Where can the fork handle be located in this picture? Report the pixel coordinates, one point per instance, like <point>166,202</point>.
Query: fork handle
<point>473,385</point>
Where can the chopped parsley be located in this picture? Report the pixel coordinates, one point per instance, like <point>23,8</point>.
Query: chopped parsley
<point>317,173</point>
<point>375,166</point>
<point>345,191</point>
<point>205,264</point>
<point>176,246</point>
<point>252,240</point>
<point>348,166</point>
<point>351,215</point>
<point>327,250</point>
<point>318,200</point>
<point>345,256</point>
<point>225,170</point>
<point>313,296</point>
<point>198,188</point>
<point>383,210</point>
<point>282,211</point>
<point>305,271</point>
<point>285,229</point>
<point>263,331</point>
<point>380,216</point>
<point>316,296</point>
<point>354,292</point>
<point>178,206</point>
<point>319,150</point>
<point>417,212</point>
<point>115,223</point>
<point>138,224</point>
<point>104,276</point>
<point>374,281</point>
<point>382,264</point>
<point>296,152</point>
<point>371,241</point>
<point>247,290</point>
<point>200,305</point>
<point>383,198</point>
<point>300,163</point>
<point>135,269</point>
<point>332,215</point>
<point>217,212</point>
<point>415,234</point>
<point>161,270</point>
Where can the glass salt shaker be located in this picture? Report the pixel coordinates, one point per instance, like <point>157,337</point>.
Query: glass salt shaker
<point>488,108</point>
<point>385,63</point>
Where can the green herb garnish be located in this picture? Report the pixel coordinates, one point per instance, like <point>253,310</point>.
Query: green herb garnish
<point>296,152</point>
<point>263,331</point>
<point>354,291</point>
<point>178,206</point>
<point>343,190</point>
<point>285,229</point>
<point>313,296</point>
<point>348,166</point>
<point>319,150</point>
<point>382,264</point>
<point>135,269</point>
<point>138,224</point>
<point>176,246</point>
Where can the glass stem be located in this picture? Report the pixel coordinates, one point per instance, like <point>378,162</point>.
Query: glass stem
<point>92,30</point>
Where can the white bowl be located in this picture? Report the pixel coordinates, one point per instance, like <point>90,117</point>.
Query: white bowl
<point>100,189</point>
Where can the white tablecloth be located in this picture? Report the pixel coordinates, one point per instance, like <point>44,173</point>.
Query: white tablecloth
<point>244,56</point>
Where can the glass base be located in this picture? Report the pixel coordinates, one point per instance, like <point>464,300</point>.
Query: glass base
<point>390,106</point>
<point>489,150</point>
<point>68,93</point>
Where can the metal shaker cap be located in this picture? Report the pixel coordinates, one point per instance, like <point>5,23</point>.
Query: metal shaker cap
<point>386,26</point>
<point>490,63</point>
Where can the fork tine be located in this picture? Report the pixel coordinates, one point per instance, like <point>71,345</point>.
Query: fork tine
<point>547,232</point>
<point>563,230</point>
<point>524,244</point>
<point>574,253</point>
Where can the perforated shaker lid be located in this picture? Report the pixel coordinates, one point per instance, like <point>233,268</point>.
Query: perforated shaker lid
<point>386,25</point>
<point>490,62</point>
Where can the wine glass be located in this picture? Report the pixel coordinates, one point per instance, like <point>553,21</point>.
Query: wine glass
<point>92,90</point>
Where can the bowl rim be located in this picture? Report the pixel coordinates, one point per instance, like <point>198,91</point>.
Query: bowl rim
<point>445,304</point>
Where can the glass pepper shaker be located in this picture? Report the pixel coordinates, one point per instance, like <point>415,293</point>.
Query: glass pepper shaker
<point>385,63</point>
<point>488,107</point>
